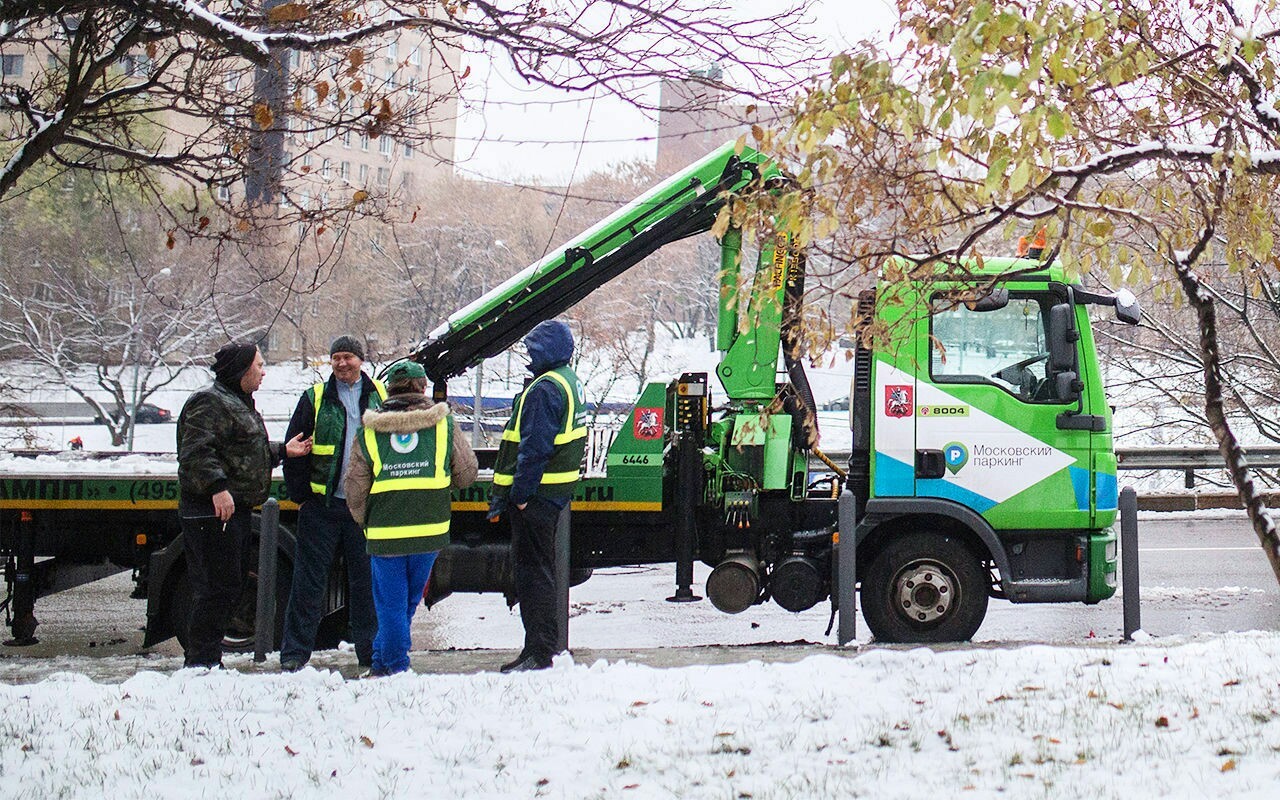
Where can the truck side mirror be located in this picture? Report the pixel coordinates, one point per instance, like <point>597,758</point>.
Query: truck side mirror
<point>996,300</point>
<point>1062,339</point>
<point>1127,309</point>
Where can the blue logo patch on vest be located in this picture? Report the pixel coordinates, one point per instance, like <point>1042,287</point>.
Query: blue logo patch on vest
<point>404,442</point>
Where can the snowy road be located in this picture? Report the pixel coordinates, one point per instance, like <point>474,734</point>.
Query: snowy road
<point>1200,574</point>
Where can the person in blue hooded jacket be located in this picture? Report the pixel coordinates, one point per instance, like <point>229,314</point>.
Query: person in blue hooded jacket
<point>534,475</point>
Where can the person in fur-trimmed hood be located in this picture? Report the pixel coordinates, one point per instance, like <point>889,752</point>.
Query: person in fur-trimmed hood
<point>407,457</point>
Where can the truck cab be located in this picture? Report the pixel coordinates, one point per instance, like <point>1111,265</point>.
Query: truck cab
<point>982,432</point>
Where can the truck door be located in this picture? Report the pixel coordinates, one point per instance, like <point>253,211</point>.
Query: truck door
<point>986,411</point>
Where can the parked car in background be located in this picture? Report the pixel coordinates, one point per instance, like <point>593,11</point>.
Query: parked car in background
<point>839,404</point>
<point>147,414</point>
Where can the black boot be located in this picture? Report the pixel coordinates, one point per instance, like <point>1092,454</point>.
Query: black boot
<point>529,664</point>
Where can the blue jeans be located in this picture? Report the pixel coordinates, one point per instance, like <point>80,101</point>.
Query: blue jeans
<point>323,531</point>
<point>398,583</point>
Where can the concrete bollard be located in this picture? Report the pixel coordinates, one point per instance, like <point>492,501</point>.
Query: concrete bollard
<point>847,571</point>
<point>562,581</point>
<point>1129,562</point>
<point>264,626</point>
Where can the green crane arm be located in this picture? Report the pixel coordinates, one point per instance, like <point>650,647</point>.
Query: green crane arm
<point>683,205</point>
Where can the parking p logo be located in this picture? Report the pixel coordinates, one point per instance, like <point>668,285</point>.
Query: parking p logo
<point>957,455</point>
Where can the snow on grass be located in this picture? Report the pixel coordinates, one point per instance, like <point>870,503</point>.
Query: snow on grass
<point>1192,719</point>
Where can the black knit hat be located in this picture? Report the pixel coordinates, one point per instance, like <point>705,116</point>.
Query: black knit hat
<point>347,344</point>
<point>231,360</point>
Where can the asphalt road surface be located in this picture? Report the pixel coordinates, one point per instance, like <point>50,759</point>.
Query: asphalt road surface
<point>1199,574</point>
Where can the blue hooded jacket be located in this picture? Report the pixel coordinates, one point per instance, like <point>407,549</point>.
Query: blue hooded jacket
<point>550,345</point>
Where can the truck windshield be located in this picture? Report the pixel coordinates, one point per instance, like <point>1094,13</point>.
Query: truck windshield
<point>1006,347</point>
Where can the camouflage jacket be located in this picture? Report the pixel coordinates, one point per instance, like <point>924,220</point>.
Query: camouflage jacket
<point>223,444</point>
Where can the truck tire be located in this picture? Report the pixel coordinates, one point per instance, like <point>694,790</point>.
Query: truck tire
<point>239,639</point>
<point>924,587</point>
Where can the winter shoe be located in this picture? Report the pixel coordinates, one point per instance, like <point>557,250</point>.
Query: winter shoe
<point>528,664</point>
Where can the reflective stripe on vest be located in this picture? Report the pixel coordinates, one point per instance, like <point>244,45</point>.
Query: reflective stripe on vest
<point>569,433</point>
<point>325,449</point>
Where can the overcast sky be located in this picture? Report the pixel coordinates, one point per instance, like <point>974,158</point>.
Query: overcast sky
<point>527,133</point>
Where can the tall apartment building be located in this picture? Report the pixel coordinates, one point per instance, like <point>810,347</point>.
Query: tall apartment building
<point>406,65</point>
<point>694,119</point>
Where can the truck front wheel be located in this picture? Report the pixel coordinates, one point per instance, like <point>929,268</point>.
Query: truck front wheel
<point>924,587</point>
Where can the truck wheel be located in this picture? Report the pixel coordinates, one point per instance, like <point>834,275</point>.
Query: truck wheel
<point>924,587</point>
<point>240,630</point>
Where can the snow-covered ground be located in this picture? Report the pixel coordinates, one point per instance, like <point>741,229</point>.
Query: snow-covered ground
<point>1194,718</point>
<point>1177,717</point>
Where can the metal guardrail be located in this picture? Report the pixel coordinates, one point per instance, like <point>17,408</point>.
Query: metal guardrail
<point>1155,458</point>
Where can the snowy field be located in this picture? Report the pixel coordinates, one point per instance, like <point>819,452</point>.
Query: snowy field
<point>1189,719</point>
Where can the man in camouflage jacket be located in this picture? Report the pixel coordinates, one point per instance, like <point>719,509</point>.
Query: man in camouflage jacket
<point>224,469</point>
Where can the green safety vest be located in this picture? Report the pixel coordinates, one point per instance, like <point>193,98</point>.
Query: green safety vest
<point>326,437</point>
<point>408,510</point>
<point>566,460</point>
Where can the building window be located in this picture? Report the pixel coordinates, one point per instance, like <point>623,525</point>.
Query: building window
<point>364,142</point>
<point>408,150</point>
<point>384,176</point>
<point>384,146</point>
<point>392,50</point>
<point>364,175</point>
<point>325,169</point>
<point>391,80</point>
<point>224,193</point>
<point>346,139</point>
<point>344,170</point>
<point>11,65</point>
<point>306,162</point>
<point>415,56</point>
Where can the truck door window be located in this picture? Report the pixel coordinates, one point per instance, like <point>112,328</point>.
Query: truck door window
<point>1006,347</point>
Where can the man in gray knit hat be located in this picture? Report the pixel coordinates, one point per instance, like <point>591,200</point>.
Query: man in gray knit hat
<point>328,414</point>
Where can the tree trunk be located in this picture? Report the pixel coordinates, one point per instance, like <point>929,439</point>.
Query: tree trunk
<point>1232,453</point>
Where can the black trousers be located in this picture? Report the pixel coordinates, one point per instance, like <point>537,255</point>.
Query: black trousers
<point>534,531</point>
<point>324,530</point>
<point>217,562</point>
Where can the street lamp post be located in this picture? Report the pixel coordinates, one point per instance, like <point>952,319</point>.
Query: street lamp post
<point>478,400</point>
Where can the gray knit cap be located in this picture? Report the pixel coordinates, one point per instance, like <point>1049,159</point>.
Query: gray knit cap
<point>347,344</point>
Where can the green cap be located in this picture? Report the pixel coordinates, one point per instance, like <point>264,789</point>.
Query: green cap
<point>404,371</point>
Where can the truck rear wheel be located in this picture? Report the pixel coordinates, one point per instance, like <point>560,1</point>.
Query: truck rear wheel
<point>924,587</point>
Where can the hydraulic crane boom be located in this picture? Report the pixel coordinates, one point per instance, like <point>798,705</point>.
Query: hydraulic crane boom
<point>683,205</point>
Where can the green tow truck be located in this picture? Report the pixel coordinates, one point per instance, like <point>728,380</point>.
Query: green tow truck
<point>982,462</point>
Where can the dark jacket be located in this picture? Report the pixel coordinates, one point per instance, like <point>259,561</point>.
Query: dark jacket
<point>405,413</point>
<point>550,345</point>
<point>297,471</point>
<point>223,444</point>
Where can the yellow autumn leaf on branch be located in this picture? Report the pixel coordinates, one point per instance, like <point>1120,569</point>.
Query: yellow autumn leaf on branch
<point>289,12</point>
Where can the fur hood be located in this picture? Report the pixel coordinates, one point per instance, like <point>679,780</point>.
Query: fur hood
<point>414,418</point>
